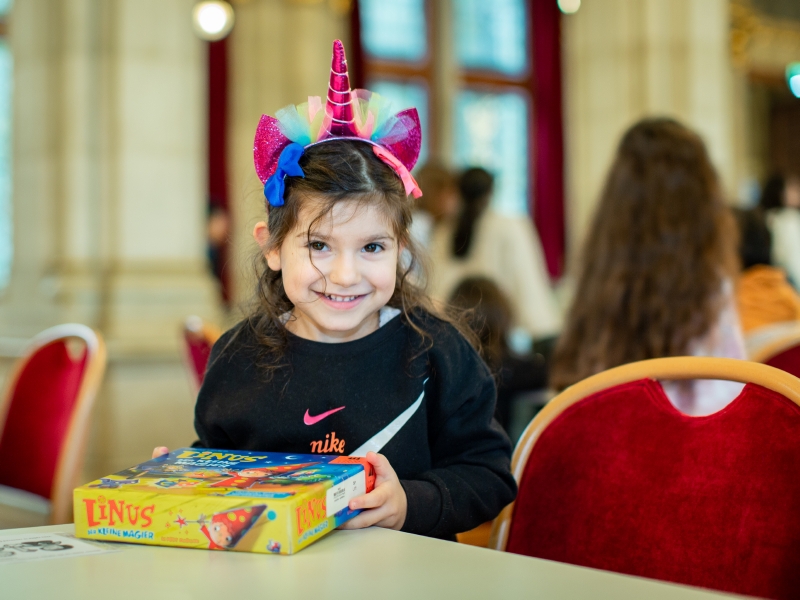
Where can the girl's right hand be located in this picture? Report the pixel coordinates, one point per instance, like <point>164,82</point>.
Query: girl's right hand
<point>159,450</point>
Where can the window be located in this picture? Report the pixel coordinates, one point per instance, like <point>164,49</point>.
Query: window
<point>491,35</point>
<point>491,131</point>
<point>394,31</point>
<point>6,215</point>
<point>491,110</point>
<point>493,107</point>
<point>397,58</point>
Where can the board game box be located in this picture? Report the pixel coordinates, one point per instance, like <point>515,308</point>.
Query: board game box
<point>224,500</point>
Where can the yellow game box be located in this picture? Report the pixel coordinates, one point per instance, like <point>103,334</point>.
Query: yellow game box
<point>224,500</point>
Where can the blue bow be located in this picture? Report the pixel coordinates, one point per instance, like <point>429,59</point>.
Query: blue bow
<point>287,165</point>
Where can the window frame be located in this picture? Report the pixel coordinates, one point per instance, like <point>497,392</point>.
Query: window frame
<point>399,71</point>
<point>496,82</point>
<point>468,79</point>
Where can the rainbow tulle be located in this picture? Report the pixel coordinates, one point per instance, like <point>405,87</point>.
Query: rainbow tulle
<point>305,123</point>
<point>373,120</point>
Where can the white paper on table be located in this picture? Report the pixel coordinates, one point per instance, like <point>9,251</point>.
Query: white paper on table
<point>38,546</point>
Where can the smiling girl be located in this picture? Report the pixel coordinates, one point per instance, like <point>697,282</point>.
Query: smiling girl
<point>344,353</point>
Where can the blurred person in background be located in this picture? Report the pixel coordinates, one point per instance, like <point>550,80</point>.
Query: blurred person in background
<point>780,201</point>
<point>439,201</point>
<point>763,295</point>
<point>505,249</point>
<point>218,227</point>
<point>489,315</point>
<point>658,266</point>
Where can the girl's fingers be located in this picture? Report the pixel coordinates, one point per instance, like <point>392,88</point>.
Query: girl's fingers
<point>383,470</point>
<point>366,519</point>
<point>374,499</point>
<point>358,522</point>
<point>160,450</point>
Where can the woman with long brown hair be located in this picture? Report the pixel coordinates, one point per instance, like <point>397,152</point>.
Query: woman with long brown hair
<point>656,277</point>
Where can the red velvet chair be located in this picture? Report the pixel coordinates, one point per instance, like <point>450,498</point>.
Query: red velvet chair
<point>198,339</point>
<point>44,419</point>
<point>782,352</point>
<point>612,476</point>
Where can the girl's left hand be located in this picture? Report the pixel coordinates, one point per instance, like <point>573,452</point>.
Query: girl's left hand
<point>386,505</point>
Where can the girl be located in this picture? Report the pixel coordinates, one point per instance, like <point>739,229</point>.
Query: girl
<point>490,316</point>
<point>439,202</point>
<point>343,353</point>
<point>658,268</point>
<point>506,249</point>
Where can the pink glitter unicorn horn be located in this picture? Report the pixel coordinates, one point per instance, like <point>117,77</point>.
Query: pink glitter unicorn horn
<point>339,103</point>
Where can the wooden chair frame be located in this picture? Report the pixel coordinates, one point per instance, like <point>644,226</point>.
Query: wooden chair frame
<point>210,333</point>
<point>676,368</point>
<point>70,458</point>
<point>776,346</point>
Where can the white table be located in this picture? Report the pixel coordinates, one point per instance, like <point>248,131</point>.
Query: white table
<point>374,563</point>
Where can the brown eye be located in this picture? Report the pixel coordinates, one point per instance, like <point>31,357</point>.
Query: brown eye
<point>318,246</point>
<point>372,248</point>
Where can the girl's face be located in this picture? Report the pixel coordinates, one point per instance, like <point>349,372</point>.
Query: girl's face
<point>339,277</point>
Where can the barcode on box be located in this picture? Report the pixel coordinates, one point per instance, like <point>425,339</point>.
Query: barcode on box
<point>339,495</point>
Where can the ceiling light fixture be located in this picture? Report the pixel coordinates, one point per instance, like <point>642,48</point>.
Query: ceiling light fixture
<point>212,20</point>
<point>569,7</point>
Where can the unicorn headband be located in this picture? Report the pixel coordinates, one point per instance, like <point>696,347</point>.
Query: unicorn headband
<point>347,115</point>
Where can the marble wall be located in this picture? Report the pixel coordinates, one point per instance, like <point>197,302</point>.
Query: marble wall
<point>109,202</point>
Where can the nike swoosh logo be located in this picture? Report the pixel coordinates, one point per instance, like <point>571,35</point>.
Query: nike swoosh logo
<point>380,439</point>
<point>309,420</point>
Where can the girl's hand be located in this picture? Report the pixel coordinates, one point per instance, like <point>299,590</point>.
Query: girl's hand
<point>386,505</point>
<point>159,450</point>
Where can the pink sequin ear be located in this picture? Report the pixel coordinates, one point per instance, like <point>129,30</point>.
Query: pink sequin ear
<point>409,183</point>
<point>407,148</point>
<point>267,147</point>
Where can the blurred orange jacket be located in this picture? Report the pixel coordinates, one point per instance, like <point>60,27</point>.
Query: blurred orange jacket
<point>764,297</point>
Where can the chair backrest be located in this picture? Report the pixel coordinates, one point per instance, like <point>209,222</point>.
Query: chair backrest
<point>45,414</point>
<point>198,339</point>
<point>782,352</point>
<point>612,476</point>
<point>758,340</point>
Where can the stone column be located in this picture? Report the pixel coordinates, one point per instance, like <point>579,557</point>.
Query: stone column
<point>109,197</point>
<point>109,201</point>
<point>280,54</point>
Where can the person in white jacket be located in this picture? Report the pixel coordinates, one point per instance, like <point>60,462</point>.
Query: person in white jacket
<point>780,201</point>
<point>505,249</point>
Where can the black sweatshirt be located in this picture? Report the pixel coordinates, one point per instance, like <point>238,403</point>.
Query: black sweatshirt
<point>451,457</point>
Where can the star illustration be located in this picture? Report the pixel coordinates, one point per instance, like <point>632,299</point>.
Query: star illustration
<point>181,522</point>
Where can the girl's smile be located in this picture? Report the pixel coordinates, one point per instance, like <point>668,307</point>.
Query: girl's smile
<point>340,302</point>
<point>339,274</point>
